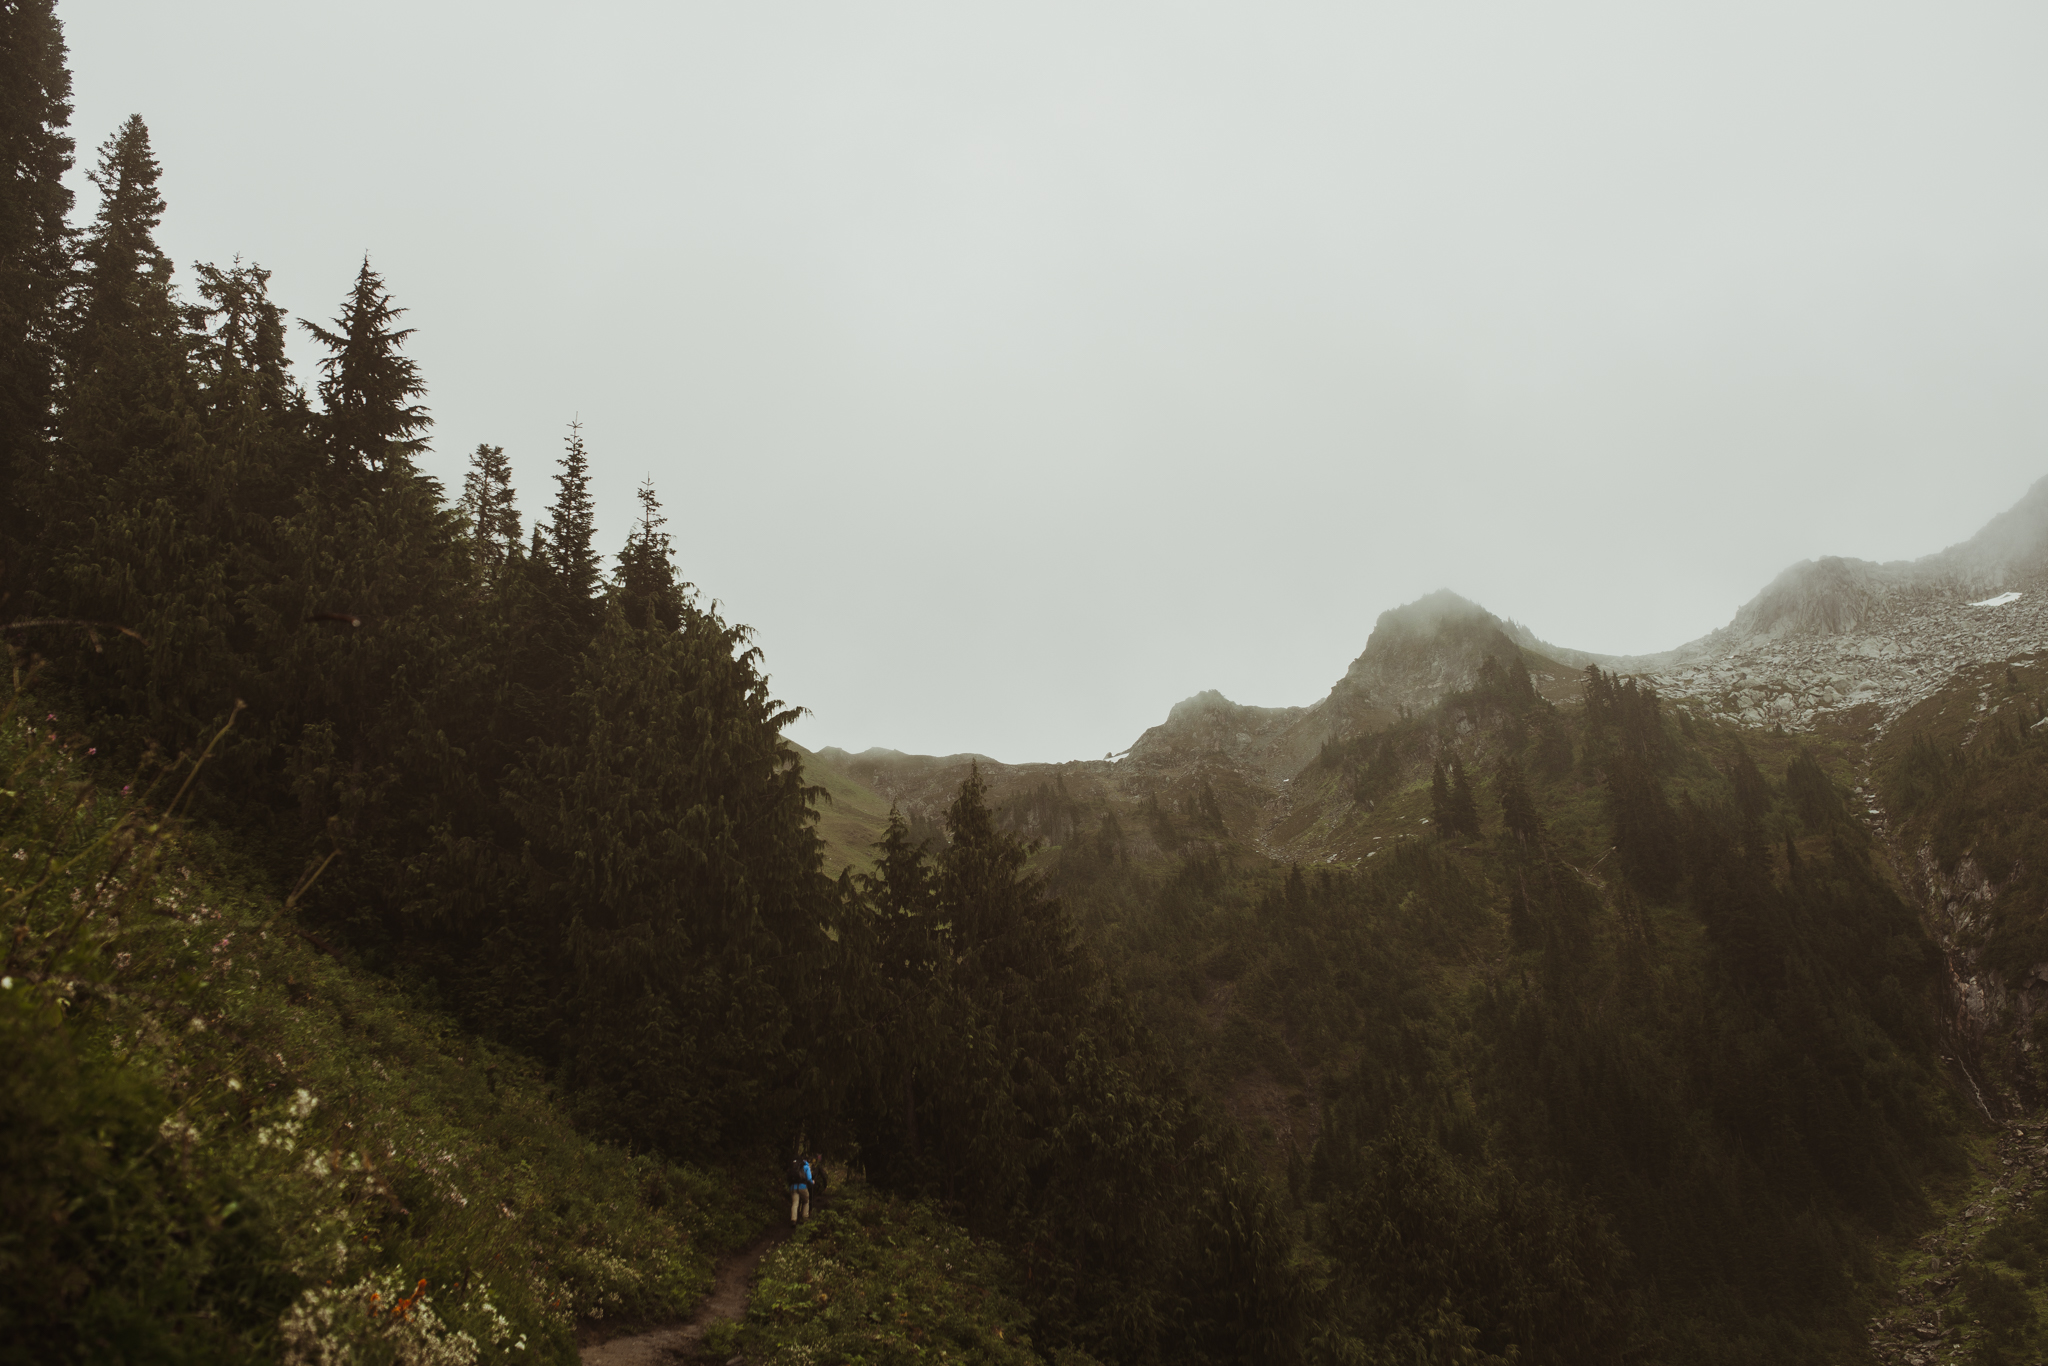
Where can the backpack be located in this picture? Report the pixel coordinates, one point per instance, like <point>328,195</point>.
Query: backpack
<point>796,1171</point>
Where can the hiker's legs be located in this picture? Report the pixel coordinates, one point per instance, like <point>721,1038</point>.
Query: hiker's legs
<point>803,1196</point>
<point>796,1200</point>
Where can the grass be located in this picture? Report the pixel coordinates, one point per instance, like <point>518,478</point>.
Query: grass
<point>219,1144</point>
<point>852,821</point>
<point>885,1282</point>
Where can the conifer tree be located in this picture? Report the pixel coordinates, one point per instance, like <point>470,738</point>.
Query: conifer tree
<point>1645,832</point>
<point>1461,812</point>
<point>373,427</point>
<point>123,297</point>
<point>1439,796</point>
<point>123,349</point>
<point>238,337</point>
<point>1517,811</point>
<point>647,587</point>
<point>1752,789</point>
<point>492,506</point>
<point>35,154</point>
<point>682,916</point>
<point>568,540</point>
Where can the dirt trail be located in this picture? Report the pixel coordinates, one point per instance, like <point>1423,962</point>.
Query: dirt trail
<point>727,1300</point>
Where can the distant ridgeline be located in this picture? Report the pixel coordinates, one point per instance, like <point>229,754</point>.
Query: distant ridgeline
<point>1496,1007</point>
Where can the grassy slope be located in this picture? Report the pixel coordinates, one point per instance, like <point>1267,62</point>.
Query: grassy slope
<point>222,1144</point>
<point>851,821</point>
<point>874,1278</point>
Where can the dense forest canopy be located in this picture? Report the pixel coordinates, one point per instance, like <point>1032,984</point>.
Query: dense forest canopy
<point>1556,1109</point>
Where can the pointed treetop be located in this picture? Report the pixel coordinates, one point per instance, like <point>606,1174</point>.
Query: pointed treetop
<point>572,523</point>
<point>367,385</point>
<point>492,505</point>
<point>124,288</point>
<point>238,333</point>
<point>647,584</point>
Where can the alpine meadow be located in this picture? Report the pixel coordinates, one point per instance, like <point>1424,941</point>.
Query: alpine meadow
<point>424,945</point>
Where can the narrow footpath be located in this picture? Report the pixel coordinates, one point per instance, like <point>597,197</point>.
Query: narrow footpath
<point>678,1342</point>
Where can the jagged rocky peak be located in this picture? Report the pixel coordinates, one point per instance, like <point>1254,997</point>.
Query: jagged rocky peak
<point>1213,707</point>
<point>1208,724</point>
<point>1827,596</point>
<point>1836,596</point>
<point>1421,652</point>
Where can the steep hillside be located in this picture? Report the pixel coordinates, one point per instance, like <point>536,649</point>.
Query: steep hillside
<point>851,815</point>
<point>224,1144</point>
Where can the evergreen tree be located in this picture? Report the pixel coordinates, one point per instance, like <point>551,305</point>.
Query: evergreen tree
<point>647,587</point>
<point>567,542</point>
<point>682,913</point>
<point>373,427</point>
<point>123,296</point>
<point>1517,811</point>
<point>492,506</point>
<point>1440,797</point>
<point>1813,796</point>
<point>123,350</point>
<point>1645,832</point>
<point>35,154</point>
<point>238,338</point>
<point>1461,812</point>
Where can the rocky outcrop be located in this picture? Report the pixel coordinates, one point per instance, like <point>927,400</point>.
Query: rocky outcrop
<point>1211,726</point>
<point>1832,633</point>
<point>1899,653</point>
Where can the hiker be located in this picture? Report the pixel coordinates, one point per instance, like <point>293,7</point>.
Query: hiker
<point>799,1189</point>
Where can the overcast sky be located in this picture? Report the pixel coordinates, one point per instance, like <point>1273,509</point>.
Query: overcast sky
<point>1017,370</point>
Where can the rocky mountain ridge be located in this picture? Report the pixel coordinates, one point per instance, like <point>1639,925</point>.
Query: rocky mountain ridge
<point>1827,641</point>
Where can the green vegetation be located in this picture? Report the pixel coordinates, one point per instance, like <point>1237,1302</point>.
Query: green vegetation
<point>882,1280</point>
<point>222,1145</point>
<point>471,940</point>
<point>1661,1027</point>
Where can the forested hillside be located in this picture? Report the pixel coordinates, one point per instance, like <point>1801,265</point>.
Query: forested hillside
<point>378,854</point>
<point>528,782</point>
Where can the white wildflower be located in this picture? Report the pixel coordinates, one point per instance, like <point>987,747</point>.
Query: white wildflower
<point>303,1102</point>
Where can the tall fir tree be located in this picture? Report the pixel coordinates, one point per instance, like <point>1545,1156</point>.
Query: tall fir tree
<point>568,541</point>
<point>123,345</point>
<point>35,154</point>
<point>1518,814</point>
<point>646,585</point>
<point>492,506</point>
<point>1461,813</point>
<point>123,291</point>
<point>367,386</point>
<point>238,337</point>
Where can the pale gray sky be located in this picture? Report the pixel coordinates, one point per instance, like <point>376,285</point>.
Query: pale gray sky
<point>1018,370</point>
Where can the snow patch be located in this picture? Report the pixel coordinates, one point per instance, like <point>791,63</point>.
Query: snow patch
<point>2001,600</point>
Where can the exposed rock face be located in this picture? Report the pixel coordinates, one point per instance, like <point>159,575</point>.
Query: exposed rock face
<point>1417,655</point>
<point>1835,633</point>
<point>1825,636</point>
<point>1211,725</point>
<point>1895,656</point>
<point>1421,653</point>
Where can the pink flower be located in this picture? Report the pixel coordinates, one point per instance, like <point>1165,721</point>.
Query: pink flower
<point>93,750</point>
<point>125,789</point>
<point>51,717</point>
